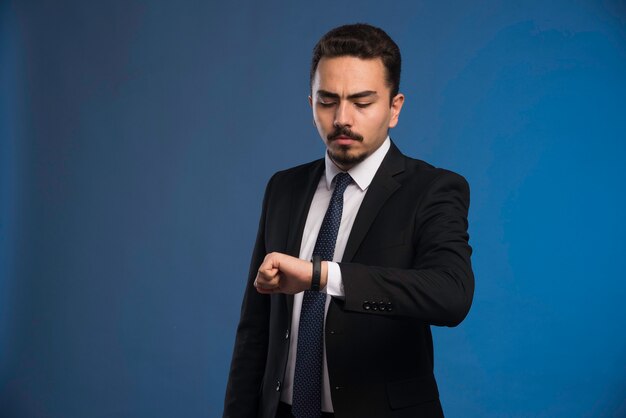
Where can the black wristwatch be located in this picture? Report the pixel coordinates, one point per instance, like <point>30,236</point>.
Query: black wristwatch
<point>317,273</point>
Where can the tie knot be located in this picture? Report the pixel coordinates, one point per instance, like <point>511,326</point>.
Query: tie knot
<point>341,182</point>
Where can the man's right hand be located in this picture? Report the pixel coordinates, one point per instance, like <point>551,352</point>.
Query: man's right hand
<point>282,273</point>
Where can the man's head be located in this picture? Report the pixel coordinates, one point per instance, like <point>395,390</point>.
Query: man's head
<point>355,77</point>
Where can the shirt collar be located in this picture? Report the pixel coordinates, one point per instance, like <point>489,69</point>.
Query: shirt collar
<point>362,173</point>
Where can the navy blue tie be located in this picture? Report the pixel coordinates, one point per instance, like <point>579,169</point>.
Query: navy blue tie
<point>307,382</point>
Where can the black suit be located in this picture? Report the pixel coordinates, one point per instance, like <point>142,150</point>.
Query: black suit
<point>406,266</point>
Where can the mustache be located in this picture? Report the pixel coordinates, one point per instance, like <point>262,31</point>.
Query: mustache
<point>344,131</point>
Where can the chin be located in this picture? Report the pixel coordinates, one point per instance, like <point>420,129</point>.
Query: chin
<point>345,158</point>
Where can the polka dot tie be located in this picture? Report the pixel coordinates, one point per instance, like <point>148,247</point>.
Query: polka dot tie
<point>307,384</point>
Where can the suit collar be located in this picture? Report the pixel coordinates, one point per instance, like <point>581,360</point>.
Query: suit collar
<point>383,185</point>
<point>303,189</point>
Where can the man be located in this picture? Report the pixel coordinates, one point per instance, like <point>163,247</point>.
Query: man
<point>348,334</point>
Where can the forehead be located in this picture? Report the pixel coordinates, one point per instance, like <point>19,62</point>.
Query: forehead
<point>348,74</point>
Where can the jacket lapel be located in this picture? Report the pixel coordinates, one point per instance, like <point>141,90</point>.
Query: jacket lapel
<point>301,196</point>
<point>302,193</point>
<point>382,187</point>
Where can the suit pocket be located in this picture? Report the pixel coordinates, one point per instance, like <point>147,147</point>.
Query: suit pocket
<point>410,392</point>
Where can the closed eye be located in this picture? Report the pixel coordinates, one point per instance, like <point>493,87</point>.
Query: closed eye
<point>362,105</point>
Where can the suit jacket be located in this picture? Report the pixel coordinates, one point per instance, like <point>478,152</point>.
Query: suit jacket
<point>406,266</point>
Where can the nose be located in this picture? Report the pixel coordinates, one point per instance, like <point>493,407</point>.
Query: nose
<point>343,115</point>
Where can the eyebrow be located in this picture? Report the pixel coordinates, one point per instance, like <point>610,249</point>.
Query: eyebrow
<point>329,95</point>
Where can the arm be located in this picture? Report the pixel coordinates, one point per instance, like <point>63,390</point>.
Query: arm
<point>250,351</point>
<point>439,286</point>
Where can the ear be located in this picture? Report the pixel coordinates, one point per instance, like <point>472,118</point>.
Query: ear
<point>396,107</point>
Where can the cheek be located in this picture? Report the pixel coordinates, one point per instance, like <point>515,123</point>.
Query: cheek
<point>321,119</point>
<point>321,124</point>
<point>322,127</point>
<point>384,123</point>
<point>375,126</point>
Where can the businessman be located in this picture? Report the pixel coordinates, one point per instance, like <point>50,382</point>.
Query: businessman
<point>357,255</point>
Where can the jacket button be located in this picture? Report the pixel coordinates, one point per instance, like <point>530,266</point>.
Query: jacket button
<point>366,305</point>
<point>382,306</point>
<point>287,334</point>
<point>389,307</point>
<point>278,386</point>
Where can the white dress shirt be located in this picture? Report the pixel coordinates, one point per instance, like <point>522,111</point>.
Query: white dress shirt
<point>362,175</point>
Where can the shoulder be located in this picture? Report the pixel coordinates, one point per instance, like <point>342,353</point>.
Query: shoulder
<point>433,187</point>
<point>299,170</point>
<point>298,173</point>
<point>424,174</point>
<point>284,183</point>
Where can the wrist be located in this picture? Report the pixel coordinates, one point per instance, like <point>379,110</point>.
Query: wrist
<point>324,275</point>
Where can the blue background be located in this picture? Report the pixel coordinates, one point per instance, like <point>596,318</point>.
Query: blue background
<point>136,138</point>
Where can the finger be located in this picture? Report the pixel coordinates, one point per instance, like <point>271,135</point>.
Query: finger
<point>267,272</point>
<point>264,282</point>
<point>265,291</point>
<point>271,275</point>
<point>265,279</point>
<point>268,287</point>
<point>273,282</point>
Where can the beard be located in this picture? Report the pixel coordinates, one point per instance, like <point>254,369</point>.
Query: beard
<point>344,158</point>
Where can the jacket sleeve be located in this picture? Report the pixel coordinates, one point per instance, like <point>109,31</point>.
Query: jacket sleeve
<point>251,342</point>
<point>439,285</point>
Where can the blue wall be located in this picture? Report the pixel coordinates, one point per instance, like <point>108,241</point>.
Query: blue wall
<point>136,138</point>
